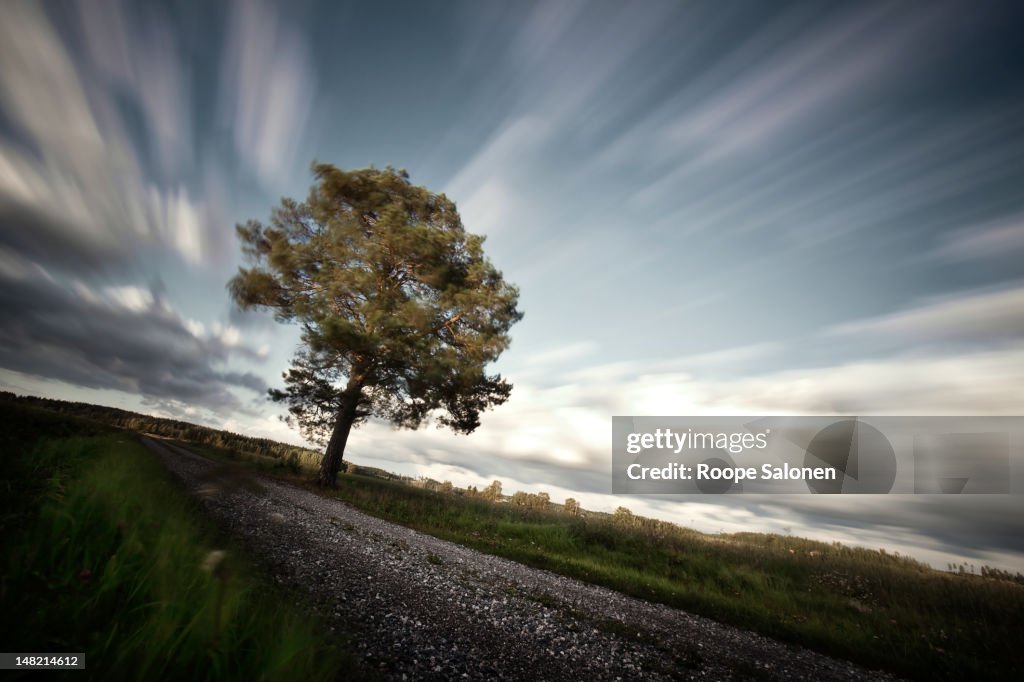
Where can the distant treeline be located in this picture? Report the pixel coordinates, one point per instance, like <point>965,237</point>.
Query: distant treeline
<point>168,428</point>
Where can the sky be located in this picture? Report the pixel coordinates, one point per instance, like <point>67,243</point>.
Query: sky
<point>708,207</point>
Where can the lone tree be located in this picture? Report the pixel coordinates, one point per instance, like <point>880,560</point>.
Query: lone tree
<point>400,309</point>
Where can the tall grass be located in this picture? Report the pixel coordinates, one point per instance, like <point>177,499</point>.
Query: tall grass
<point>109,560</point>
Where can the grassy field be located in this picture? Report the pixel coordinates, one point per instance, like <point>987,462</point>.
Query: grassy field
<point>877,609</point>
<point>105,554</point>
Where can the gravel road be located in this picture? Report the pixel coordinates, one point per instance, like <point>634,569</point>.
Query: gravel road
<point>423,608</point>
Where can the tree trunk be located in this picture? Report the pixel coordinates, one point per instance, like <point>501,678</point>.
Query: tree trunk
<point>331,462</point>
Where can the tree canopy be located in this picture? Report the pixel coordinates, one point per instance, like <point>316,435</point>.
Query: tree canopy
<point>400,309</point>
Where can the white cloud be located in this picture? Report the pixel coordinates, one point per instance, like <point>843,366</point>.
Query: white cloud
<point>560,80</point>
<point>984,241</point>
<point>729,356</point>
<point>486,186</point>
<point>40,89</point>
<point>723,114</point>
<point>974,316</point>
<point>789,87</point>
<point>195,328</point>
<point>135,299</point>
<point>229,335</point>
<point>143,63</point>
<point>82,180</point>
<point>179,221</point>
<point>543,30</point>
<point>268,83</point>
<point>489,207</point>
<point>561,354</point>
<point>974,383</point>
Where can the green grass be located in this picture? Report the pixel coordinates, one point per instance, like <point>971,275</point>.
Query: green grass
<point>104,554</point>
<point>877,609</point>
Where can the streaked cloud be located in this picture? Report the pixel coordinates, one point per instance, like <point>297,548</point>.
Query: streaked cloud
<point>268,88</point>
<point>78,182</point>
<point>814,71</point>
<point>123,337</point>
<point>999,240</point>
<point>986,316</point>
<point>486,187</point>
<point>144,63</point>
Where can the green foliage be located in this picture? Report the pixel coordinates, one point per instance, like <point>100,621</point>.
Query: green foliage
<point>108,558</point>
<point>399,307</point>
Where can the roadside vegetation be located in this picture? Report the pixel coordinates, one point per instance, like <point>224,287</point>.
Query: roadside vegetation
<point>105,554</point>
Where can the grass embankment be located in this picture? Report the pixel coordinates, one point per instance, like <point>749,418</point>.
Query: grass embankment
<point>105,554</point>
<point>877,609</point>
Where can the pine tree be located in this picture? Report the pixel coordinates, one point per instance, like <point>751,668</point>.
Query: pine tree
<point>400,309</point>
